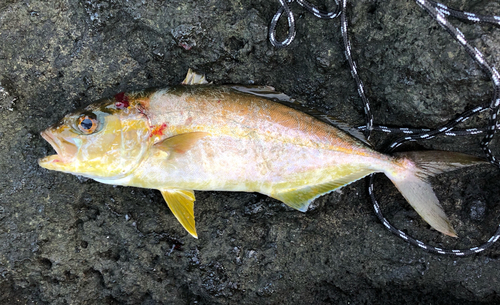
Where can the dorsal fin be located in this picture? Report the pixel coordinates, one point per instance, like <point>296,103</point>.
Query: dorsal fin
<point>193,78</point>
<point>269,92</point>
<point>353,131</point>
<point>265,91</point>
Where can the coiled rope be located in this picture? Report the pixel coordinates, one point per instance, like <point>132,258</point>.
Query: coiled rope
<point>440,13</point>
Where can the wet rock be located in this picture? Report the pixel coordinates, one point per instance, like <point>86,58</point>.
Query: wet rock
<point>186,35</point>
<point>477,210</point>
<point>6,100</point>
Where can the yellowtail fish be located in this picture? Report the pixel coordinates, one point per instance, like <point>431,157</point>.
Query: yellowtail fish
<point>198,136</point>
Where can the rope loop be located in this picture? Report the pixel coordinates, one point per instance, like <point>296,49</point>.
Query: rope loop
<point>440,13</point>
<point>285,9</point>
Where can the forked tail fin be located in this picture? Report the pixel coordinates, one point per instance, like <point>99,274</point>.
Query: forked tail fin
<point>411,181</point>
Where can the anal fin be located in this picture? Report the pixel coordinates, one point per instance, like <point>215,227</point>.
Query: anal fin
<point>301,197</point>
<point>181,203</point>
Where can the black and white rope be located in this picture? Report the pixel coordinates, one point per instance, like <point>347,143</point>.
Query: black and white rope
<point>464,15</point>
<point>354,70</point>
<point>439,16</point>
<point>426,134</point>
<point>447,130</point>
<point>439,12</point>
<point>285,8</point>
<point>418,243</point>
<point>411,131</point>
<point>414,135</point>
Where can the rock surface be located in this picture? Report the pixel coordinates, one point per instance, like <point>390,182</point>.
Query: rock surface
<point>68,240</point>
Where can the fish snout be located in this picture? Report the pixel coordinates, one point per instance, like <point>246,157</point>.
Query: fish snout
<point>65,147</point>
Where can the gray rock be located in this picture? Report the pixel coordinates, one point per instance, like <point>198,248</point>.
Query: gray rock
<point>69,240</point>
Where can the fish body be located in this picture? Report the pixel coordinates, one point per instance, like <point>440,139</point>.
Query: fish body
<point>198,136</point>
<point>243,143</point>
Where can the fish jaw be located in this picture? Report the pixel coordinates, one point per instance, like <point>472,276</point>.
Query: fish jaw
<point>65,149</point>
<point>52,162</point>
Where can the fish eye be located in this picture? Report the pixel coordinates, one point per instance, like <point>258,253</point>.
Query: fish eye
<point>87,123</point>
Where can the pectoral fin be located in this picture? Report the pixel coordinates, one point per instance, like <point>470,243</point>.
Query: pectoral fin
<point>301,197</point>
<point>180,143</point>
<point>181,203</point>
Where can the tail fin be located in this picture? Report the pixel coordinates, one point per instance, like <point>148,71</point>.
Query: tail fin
<point>411,181</point>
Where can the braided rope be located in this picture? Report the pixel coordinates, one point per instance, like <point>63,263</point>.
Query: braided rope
<point>439,12</point>
<point>285,8</point>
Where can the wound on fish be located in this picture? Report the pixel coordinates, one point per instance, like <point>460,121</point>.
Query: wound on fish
<point>122,101</point>
<point>158,130</point>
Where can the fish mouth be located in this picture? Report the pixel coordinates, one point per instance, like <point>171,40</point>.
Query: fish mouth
<point>47,136</point>
<point>50,162</point>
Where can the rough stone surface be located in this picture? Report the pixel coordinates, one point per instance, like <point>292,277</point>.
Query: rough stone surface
<point>68,240</point>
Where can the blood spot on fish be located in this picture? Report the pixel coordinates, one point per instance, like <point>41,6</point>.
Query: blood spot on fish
<point>158,130</point>
<point>121,101</point>
<point>188,120</point>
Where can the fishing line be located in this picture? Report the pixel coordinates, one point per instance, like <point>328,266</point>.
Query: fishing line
<point>439,13</point>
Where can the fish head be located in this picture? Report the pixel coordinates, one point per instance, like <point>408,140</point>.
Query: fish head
<point>105,140</point>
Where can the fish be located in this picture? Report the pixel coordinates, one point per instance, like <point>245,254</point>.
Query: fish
<point>198,136</point>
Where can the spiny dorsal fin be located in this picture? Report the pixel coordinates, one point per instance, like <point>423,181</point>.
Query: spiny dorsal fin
<point>269,92</point>
<point>181,203</point>
<point>353,131</point>
<point>264,91</point>
<point>301,197</point>
<point>180,143</point>
<point>193,78</point>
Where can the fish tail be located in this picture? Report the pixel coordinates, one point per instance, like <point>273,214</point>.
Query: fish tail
<point>411,175</point>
